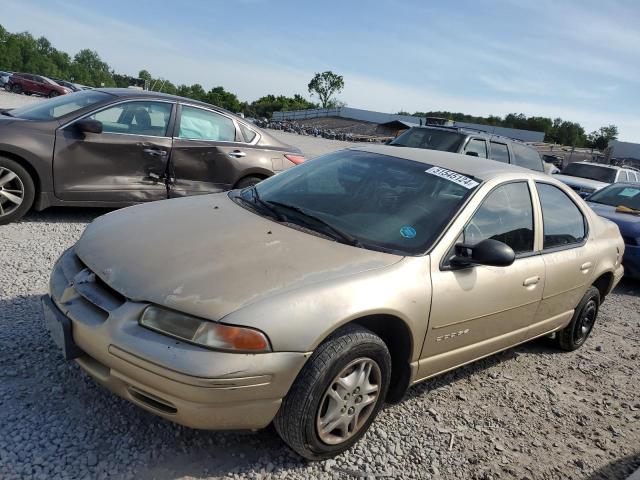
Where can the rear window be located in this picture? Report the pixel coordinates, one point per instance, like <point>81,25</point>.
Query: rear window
<point>527,157</point>
<point>591,171</point>
<point>430,139</point>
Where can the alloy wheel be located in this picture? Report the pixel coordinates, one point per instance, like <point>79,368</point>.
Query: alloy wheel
<point>586,321</point>
<point>349,401</point>
<point>11,191</point>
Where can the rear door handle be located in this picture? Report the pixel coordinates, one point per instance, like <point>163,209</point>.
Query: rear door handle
<point>155,152</point>
<point>585,266</point>
<point>237,154</point>
<point>529,282</point>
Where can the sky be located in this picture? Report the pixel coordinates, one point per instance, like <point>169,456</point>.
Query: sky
<point>578,60</point>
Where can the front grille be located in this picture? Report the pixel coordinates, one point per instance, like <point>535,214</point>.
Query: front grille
<point>80,293</point>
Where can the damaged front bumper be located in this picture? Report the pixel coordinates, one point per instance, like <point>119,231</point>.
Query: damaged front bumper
<point>184,383</point>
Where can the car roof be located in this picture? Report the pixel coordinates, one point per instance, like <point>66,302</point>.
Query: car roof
<point>475,132</point>
<point>474,166</point>
<point>135,93</point>
<point>615,167</point>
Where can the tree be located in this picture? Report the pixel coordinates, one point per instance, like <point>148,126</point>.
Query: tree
<point>600,138</point>
<point>325,85</point>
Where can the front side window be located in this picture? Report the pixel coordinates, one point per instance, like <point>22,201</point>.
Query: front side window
<point>380,202</point>
<point>505,215</point>
<point>477,145</point>
<point>57,107</point>
<point>200,124</point>
<point>499,152</point>
<point>430,139</point>
<point>563,222</point>
<point>527,157</point>
<point>136,118</point>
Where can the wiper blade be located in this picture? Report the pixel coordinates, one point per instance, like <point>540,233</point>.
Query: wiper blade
<point>6,112</point>
<point>327,227</point>
<point>265,206</point>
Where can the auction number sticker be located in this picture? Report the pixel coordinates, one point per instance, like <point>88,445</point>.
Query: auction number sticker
<point>629,192</point>
<point>458,178</point>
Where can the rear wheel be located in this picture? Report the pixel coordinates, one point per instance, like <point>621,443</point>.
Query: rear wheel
<point>337,395</point>
<point>576,333</point>
<point>16,88</point>
<point>248,182</point>
<point>17,191</point>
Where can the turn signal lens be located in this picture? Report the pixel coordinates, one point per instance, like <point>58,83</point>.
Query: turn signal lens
<point>203,332</point>
<point>297,159</point>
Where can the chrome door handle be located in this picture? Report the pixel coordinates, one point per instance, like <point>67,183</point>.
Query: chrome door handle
<point>237,154</point>
<point>585,266</point>
<point>531,281</point>
<point>153,152</point>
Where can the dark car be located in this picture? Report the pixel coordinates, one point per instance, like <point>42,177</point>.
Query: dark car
<point>36,84</point>
<point>118,147</point>
<point>620,203</point>
<point>74,87</point>
<point>471,142</point>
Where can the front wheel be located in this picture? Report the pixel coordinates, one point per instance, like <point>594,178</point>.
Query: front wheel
<point>53,94</point>
<point>17,191</point>
<point>16,88</point>
<point>337,395</point>
<point>576,333</point>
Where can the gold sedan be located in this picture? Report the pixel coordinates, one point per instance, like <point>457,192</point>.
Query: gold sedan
<point>310,299</point>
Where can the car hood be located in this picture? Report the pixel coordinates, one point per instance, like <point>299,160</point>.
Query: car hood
<point>208,256</point>
<point>580,182</point>
<point>628,224</point>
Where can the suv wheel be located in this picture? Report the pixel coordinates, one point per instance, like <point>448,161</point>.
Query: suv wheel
<point>16,191</point>
<point>576,333</point>
<point>16,88</point>
<point>248,182</point>
<point>53,93</point>
<point>337,395</point>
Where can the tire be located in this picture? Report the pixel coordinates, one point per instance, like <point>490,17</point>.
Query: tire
<point>53,94</point>
<point>13,179</point>
<point>248,181</point>
<point>16,88</point>
<point>574,335</point>
<point>309,400</point>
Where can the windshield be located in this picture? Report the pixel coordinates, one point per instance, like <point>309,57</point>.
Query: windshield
<point>616,195</point>
<point>592,172</point>
<point>60,106</point>
<point>430,139</point>
<point>365,199</point>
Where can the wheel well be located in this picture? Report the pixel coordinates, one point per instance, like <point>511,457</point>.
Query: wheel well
<point>396,335</point>
<point>603,283</point>
<point>261,176</point>
<point>27,166</point>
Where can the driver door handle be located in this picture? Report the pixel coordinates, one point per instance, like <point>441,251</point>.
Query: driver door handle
<point>529,282</point>
<point>237,154</point>
<point>155,152</point>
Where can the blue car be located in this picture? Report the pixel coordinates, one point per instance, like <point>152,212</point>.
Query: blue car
<point>620,203</point>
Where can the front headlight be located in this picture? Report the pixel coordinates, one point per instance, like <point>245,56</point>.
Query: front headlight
<point>204,332</point>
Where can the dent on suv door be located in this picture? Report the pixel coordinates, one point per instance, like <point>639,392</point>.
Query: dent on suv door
<point>206,152</point>
<point>126,163</point>
<point>568,258</point>
<point>479,310</point>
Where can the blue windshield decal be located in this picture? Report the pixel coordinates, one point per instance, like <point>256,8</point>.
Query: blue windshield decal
<point>408,232</point>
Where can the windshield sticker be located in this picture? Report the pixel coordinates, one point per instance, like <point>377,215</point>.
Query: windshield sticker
<point>458,178</point>
<point>629,192</point>
<point>408,232</point>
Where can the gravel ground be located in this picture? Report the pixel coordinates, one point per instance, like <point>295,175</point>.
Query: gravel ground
<point>528,413</point>
<point>11,100</point>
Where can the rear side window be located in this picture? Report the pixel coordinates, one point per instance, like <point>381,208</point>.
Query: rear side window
<point>199,124</point>
<point>563,221</point>
<point>430,139</point>
<point>527,157</point>
<point>247,133</point>
<point>505,215</point>
<point>622,176</point>
<point>499,152</point>
<point>477,145</point>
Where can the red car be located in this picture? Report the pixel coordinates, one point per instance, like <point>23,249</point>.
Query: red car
<point>35,84</point>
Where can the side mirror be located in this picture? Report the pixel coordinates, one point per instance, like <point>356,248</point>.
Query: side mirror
<point>488,252</point>
<point>472,154</point>
<point>86,125</point>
